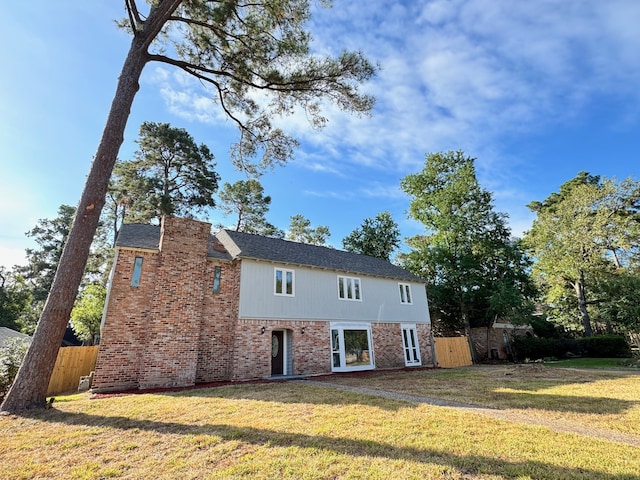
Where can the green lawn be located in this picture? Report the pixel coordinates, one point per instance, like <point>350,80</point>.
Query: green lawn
<point>602,363</point>
<point>296,430</point>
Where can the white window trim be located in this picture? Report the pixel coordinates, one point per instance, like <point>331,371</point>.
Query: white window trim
<point>341,327</point>
<point>403,289</point>
<point>346,297</point>
<point>284,282</point>
<point>414,349</point>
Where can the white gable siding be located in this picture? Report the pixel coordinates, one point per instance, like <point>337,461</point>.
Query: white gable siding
<point>316,297</point>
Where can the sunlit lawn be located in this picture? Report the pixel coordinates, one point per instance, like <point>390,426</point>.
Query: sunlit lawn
<point>296,430</point>
<point>589,398</point>
<point>601,363</point>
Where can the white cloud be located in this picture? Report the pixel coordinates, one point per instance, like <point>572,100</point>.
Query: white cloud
<point>467,74</point>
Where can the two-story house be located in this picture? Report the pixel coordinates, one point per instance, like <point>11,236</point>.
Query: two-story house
<point>187,307</point>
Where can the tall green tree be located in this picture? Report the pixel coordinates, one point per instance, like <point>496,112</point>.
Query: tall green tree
<point>476,273</point>
<point>242,51</point>
<point>377,237</point>
<point>87,312</point>
<point>170,175</point>
<point>583,238</point>
<point>50,235</point>
<point>15,299</point>
<point>246,199</point>
<point>300,230</point>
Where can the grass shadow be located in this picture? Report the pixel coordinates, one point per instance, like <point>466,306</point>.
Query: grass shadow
<point>563,403</point>
<point>464,465</point>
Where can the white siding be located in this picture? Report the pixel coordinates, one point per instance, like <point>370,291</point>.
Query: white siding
<point>316,297</point>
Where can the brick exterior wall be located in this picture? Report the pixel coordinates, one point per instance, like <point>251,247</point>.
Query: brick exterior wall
<point>172,330</point>
<point>388,349</point>
<point>124,333</point>
<point>427,345</point>
<point>218,323</point>
<point>251,358</point>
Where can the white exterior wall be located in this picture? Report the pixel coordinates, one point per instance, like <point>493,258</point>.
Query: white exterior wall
<point>316,297</point>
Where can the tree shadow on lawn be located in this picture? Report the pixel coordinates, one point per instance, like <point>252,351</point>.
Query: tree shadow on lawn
<point>464,464</point>
<point>563,403</point>
<point>393,401</point>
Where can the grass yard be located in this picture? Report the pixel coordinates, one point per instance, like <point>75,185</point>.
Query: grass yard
<point>298,430</point>
<point>601,363</point>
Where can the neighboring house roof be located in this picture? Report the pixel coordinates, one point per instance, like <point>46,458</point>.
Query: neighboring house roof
<point>7,333</point>
<point>229,245</point>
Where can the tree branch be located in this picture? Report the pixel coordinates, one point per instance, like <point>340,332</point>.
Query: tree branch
<point>134,15</point>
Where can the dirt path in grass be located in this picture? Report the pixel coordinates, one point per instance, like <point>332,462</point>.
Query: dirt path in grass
<point>508,415</point>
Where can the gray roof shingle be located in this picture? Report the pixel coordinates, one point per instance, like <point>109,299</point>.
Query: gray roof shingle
<point>139,235</point>
<point>229,244</point>
<point>6,334</point>
<point>285,251</point>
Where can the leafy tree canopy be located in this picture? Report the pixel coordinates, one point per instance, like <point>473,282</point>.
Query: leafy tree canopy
<point>377,237</point>
<point>87,312</point>
<point>246,199</point>
<point>300,230</point>
<point>50,235</point>
<point>170,175</point>
<point>584,239</point>
<point>476,273</point>
<point>15,299</point>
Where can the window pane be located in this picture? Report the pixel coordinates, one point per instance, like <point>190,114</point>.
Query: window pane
<point>137,272</point>
<point>356,345</point>
<point>216,279</point>
<point>349,288</point>
<point>356,284</point>
<point>336,360</point>
<point>341,287</point>
<point>407,350</point>
<point>289,283</point>
<point>278,281</point>
<point>335,340</point>
<point>408,287</point>
<point>401,293</point>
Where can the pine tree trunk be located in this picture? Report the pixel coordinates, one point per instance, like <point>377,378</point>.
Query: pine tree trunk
<point>30,386</point>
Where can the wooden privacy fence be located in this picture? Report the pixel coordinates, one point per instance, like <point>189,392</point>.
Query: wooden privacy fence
<point>71,364</point>
<point>453,352</point>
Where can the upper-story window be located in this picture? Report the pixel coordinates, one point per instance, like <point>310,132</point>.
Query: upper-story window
<point>137,272</point>
<point>405,293</point>
<point>349,288</point>
<point>284,282</point>
<point>217,274</point>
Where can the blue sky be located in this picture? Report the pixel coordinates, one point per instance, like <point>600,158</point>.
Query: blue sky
<point>535,91</point>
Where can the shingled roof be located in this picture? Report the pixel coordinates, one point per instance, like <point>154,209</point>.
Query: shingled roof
<point>7,334</point>
<point>139,235</point>
<point>229,244</point>
<point>263,248</point>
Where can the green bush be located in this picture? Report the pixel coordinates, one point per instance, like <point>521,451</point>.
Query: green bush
<point>602,346</point>
<point>535,348</point>
<point>11,355</point>
<point>605,346</point>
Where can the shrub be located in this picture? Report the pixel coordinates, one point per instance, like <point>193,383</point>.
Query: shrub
<point>11,355</point>
<point>535,347</point>
<point>602,346</point>
<point>605,346</point>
